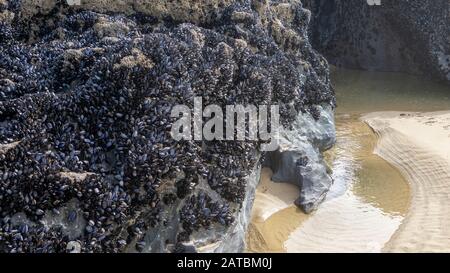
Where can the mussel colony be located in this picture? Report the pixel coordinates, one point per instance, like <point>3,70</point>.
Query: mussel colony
<point>85,102</point>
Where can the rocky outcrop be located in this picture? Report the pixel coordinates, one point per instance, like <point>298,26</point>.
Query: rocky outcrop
<point>88,163</point>
<point>299,159</point>
<point>404,35</point>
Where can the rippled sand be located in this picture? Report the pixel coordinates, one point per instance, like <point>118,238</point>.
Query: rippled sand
<point>366,208</point>
<point>419,146</point>
<point>355,217</point>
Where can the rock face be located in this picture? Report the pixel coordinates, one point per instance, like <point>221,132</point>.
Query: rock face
<point>404,35</point>
<point>87,162</point>
<point>299,158</point>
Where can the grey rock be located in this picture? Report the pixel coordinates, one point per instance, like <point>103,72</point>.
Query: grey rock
<point>403,35</point>
<point>299,158</point>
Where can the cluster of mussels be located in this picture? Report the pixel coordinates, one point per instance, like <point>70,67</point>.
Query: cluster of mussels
<point>200,211</point>
<point>85,103</point>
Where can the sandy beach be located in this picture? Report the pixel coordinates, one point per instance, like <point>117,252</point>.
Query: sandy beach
<point>391,173</point>
<point>274,216</point>
<point>355,217</point>
<point>418,144</point>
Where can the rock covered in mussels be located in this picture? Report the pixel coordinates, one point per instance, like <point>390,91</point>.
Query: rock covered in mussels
<point>87,162</point>
<point>403,35</point>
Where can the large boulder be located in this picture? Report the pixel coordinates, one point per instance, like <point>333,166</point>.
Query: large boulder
<point>86,93</point>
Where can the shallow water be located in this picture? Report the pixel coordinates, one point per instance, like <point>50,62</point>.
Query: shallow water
<point>369,197</point>
<point>364,92</point>
<point>366,203</point>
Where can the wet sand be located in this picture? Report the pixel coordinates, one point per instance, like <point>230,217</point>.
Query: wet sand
<point>418,144</point>
<point>370,198</point>
<point>274,216</point>
<point>355,217</point>
<point>363,208</point>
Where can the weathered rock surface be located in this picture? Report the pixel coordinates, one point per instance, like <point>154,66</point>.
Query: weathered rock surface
<point>403,35</point>
<point>85,99</point>
<point>299,159</point>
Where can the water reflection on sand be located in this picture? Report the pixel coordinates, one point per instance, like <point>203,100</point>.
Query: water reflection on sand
<point>369,198</point>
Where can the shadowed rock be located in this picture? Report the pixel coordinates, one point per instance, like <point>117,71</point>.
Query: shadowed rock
<point>403,35</point>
